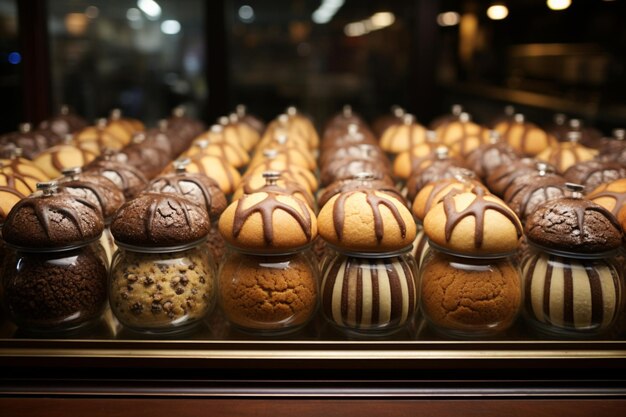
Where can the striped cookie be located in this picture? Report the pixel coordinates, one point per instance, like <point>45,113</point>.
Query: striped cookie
<point>571,294</point>
<point>420,248</point>
<point>363,294</point>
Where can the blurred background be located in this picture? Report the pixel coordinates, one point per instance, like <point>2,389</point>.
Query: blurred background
<point>147,56</point>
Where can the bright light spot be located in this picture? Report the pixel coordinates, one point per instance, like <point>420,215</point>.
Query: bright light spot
<point>15,58</point>
<point>355,29</point>
<point>246,14</point>
<point>92,12</point>
<point>559,4</point>
<point>76,23</point>
<point>382,19</point>
<point>448,19</point>
<point>150,7</point>
<point>497,12</point>
<point>133,14</point>
<point>326,11</point>
<point>170,27</point>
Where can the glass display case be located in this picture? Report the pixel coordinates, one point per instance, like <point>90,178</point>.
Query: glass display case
<point>423,55</point>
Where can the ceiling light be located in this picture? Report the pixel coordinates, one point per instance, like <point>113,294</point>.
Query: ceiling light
<point>170,27</point>
<point>326,11</point>
<point>559,4</point>
<point>382,19</point>
<point>448,19</point>
<point>150,7</point>
<point>497,12</point>
<point>246,14</point>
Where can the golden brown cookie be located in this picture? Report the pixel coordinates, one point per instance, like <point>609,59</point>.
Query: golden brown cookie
<point>526,138</point>
<point>611,196</point>
<point>433,192</point>
<point>566,154</point>
<point>367,221</point>
<point>402,137</point>
<point>268,222</point>
<point>473,224</point>
<point>54,160</point>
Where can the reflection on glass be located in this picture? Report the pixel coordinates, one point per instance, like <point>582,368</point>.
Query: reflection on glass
<point>144,56</point>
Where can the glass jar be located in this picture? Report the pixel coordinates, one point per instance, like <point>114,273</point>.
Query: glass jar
<point>469,297</point>
<point>55,290</point>
<point>570,294</point>
<point>369,294</point>
<point>162,290</point>
<point>268,294</point>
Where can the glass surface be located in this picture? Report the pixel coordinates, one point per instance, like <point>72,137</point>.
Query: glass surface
<point>10,67</point>
<point>111,54</point>
<point>162,292</point>
<point>287,52</point>
<point>55,291</point>
<point>268,294</point>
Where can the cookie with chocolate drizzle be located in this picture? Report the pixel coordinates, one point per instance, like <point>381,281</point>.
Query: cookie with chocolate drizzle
<point>367,220</point>
<point>473,223</point>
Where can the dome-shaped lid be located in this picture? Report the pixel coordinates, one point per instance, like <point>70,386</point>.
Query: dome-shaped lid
<point>574,225</point>
<point>51,220</point>
<point>473,223</point>
<point>95,188</point>
<point>268,222</point>
<point>367,221</point>
<point>159,220</point>
<point>198,188</point>
<point>127,178</point>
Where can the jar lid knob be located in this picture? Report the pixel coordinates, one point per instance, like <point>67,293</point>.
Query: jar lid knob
<point>619,134</point>
<point>441,152</point>
<point>17,153</point>
<point>494,136</point>
<point>408,119</point>
<point>575,124</point>
<point>281,138</point>
<point>101,123</point>
<point>543,168</point>
<point>283,119</point>
<point>48,187</point>
<point>364,176</point>
<point>573,136</point>
<point>139,137</point>
<point>347,111</point>
<point>576,189</point>
<point>509,110</point>
<point>233,118</point>
<point>464,117</point>
<point>116,114</point>
<point>292,111</point>
<point>25,127</point>
<point>560,119</point>
<point>240,109</point>
<point>217,129</point>
<point>456,110</point>
<point>178,111</point>
<point>223,120</point>
<point>270,153</point>
<point>271,177</point>
<point>68,138</point>
<point>202,143</point>
<point>397,111</point>
<point>353,129</point>
<point>180,165</point>
<point>72,172</point>
<point>64,110</point>
<point>163,125</point>
<point>519,118</point>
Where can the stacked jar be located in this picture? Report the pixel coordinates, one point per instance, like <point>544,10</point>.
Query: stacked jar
<point>573,282</point>
<point>470,285</point>
<point>369,286</point>
<point>54,275</point>
<point>268,281</point>
<point>162,276</point>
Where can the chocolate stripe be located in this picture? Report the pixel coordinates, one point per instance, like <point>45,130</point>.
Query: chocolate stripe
<point>395,291</point>
<point>329,283</point>
<point>597,304</point>
<point>568,295</point>
<point>375,293</point>
<point>345,291</point>
<point>546,287</point>
<point>529,276</point>
<point>412,296</point>
<point>359,298</point>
